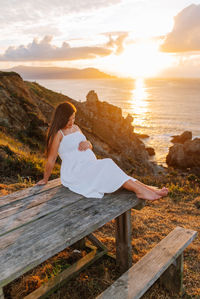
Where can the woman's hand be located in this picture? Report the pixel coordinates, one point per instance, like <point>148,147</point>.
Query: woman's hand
<point>42,182</point>
<point>84,145</point>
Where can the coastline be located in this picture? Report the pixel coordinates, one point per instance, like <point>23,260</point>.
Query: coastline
<point>147,104</point>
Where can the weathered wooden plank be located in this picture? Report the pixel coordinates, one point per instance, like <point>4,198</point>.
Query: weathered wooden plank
<point>36,200</point>
<point>54,283</point>
<point>96,242</point>
<point>92,203</point>
<point>36,207</point>
<point>1,293</point>
<point>28,202</point>
<point>35,242</point>
<point>138,279</point>
<point>172,278</point>
<point>123,231</point>
<point>18,195</point>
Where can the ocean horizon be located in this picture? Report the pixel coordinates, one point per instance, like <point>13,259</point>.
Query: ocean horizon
<point>161,107</point>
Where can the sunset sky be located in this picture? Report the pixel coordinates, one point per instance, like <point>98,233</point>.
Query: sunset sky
<point>138,38</point>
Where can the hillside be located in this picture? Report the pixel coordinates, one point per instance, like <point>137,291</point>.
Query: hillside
<point>25,112</point>
<point>33,73</point>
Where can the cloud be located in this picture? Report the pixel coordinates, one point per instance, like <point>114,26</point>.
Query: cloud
<point>116,41</point>
<point>185,35</point>
<point>42,30</point>
<point>186,66</point>
<point>45,50</point>
<point>32,10</point>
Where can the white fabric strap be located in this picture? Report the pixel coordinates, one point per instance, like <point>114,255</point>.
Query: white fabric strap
<point>62,132</point>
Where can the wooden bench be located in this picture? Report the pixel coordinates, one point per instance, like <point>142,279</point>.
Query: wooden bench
<point>38,222</point>
<point>165,259</point>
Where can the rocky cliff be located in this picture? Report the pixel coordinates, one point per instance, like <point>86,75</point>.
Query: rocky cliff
<point>26,109</point>
<point>185,153</point>
<point>114,134</point>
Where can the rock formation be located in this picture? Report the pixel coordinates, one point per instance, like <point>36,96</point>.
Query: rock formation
<point>24,110</point>
<point>187,135</point>
<point>150,151</point>
<point>105,122</point>
<point>185,154</point>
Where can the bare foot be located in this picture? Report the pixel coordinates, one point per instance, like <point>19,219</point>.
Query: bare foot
<point>41,182</point>
<point>144,191</point>
<point>162,192</point>
<point>147,194</point>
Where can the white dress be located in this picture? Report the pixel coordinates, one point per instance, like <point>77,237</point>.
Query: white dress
<point>83,173</point>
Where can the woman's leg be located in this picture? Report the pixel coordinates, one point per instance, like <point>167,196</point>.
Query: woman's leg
<point>141,190</point>
<point>162,192</point>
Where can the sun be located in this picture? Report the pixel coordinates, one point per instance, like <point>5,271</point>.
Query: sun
<point>143,59</point>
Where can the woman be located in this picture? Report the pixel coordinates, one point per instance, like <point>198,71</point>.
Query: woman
<point>80,170</point>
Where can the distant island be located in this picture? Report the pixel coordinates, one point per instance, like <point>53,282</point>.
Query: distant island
<point>33,73</point>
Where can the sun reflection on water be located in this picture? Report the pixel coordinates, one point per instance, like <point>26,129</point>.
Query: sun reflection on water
<point>139,102</point>
<point>139,97</point>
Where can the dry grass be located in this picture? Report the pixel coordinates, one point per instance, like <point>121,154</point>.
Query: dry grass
<point>20,167</point>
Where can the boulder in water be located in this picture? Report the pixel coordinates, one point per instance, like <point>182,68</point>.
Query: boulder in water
<point>150,151</point>
<point>185,155</point>
<point>185,136</point>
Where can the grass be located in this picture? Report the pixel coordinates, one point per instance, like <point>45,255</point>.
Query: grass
<point>47,95</point>
<point>20,166</point>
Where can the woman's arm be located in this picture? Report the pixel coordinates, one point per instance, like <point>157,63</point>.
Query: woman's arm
<point>84,145</point>
<point>53,153</point>
<point>90,144</point>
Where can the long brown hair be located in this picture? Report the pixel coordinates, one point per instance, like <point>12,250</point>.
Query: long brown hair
<point>59,120</point>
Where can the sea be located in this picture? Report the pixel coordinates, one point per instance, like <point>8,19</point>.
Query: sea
<point>161,108</point>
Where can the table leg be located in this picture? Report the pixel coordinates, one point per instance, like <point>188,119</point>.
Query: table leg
<point>79,244</point>
<point>123,241</point>
<point>172,278</point>
<point>1,293</point>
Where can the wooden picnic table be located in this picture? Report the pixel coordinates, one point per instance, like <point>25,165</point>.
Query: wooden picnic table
<point>38,222</point>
